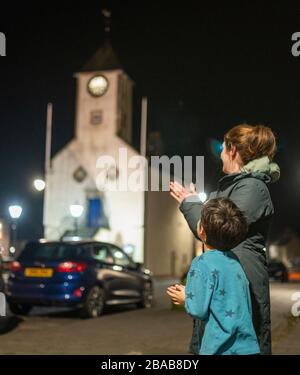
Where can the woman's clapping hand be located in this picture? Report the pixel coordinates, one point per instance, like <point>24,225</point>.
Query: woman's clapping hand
<point>179,192</point>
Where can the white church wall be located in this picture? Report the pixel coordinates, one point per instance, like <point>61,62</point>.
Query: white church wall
<point>126,213</point>
<point>125,209</point>
<point>62,190</point>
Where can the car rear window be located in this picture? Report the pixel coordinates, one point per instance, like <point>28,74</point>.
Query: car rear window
<point>55,251</point>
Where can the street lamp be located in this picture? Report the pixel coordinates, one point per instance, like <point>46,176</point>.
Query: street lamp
<point>15,212</point>
<point>39,184</point>
<point>76,211</point>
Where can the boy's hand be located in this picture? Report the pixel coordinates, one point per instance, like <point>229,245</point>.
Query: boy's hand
<point>177,294</point>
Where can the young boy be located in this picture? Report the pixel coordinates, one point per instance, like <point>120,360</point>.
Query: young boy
<point>217,290</point>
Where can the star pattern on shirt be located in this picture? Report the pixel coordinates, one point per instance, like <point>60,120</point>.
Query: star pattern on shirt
<point>215,273</point>
<point>192,273</point>
<point>239,276</point>
<point>229,313</point>
<point>222,292</point>
<point>211,286</point>
<point>190,295</point>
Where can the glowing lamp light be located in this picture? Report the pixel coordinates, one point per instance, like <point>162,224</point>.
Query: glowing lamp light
<point>76,210</point>
<point>129,249</point>
<point>12,249</point>
<point>39,184</point>
<point>15,211</point>
<point>202,196</point>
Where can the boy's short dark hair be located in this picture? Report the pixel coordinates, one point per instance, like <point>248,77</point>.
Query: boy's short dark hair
<point>224,223</point>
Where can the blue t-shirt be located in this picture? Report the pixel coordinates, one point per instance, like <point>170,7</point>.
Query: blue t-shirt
<point>217,292</point>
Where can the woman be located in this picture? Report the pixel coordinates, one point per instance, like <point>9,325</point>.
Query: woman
<point>247,162</point>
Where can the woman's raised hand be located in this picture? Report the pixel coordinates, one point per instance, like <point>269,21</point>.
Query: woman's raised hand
<point>179,192</point>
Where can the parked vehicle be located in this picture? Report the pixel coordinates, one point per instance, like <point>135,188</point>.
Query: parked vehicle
<point>83,275</point>
<point>277,271</point>
<point>294,273</point>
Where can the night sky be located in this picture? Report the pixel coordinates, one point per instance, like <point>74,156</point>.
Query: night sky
<point>204,68</point>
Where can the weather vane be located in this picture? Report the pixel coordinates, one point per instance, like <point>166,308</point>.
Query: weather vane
<point>107,20</point>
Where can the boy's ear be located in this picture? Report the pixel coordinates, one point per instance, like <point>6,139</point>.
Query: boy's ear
<point>201,233</point>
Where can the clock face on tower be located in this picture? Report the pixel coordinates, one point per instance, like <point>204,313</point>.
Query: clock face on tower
<point>97,85</point>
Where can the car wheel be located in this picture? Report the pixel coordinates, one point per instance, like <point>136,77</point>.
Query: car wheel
<point>20,308</point>
<point>94,304</point>
<point>147,300</point>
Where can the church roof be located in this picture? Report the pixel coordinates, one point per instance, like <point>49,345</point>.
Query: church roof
<point>105,58</point>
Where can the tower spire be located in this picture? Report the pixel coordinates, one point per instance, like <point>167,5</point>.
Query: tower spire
<point>107,20</point>
<point>105,57</point>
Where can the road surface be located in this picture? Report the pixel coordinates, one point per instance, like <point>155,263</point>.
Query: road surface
<point>159,330</point>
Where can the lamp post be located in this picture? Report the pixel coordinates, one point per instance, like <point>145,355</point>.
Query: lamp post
<point>76,211</point>
<point>15,212</point>
<point>39,186</point>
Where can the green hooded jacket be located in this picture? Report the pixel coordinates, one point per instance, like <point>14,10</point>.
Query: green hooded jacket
<point>249,191</point>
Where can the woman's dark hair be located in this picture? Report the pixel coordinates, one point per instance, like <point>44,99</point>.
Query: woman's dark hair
<point>252,142</point>
<point>224,224</point>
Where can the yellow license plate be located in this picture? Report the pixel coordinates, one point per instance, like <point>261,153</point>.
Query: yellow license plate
<point>38,272</point>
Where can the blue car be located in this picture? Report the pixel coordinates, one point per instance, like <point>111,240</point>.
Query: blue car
<point>87,276</point>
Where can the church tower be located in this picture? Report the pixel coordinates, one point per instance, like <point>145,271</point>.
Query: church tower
<point>147,224</point>
<point>104,100</point>
<point>103,126</point>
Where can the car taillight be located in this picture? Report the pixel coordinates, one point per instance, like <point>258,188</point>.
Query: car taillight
<point>78,292</point>
<point>15,266</point>
<point>71,267</point>
<point>294,276</point>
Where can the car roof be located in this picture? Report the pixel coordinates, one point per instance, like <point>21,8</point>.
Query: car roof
<point>80,242</point>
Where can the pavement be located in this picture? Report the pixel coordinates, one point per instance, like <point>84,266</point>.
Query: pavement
<point>127,330</point>
<point>285,323</point>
